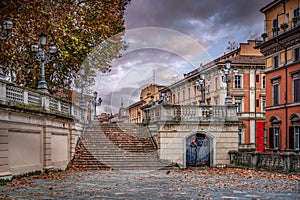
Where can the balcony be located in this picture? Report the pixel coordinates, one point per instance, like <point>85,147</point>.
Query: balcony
<point>277,31</point>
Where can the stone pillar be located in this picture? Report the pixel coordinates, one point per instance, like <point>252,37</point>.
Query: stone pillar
<point>2,91</point>
<point>232,157</point>
<point>4,160</point>
<point>255,158</point>
<point>287,160</point>
<point>59,106</point>
<point>46,102</point>
<point>25,96</point>
<point>47,161</point>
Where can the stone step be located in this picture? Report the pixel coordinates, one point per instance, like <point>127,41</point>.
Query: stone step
<point>117,146</point>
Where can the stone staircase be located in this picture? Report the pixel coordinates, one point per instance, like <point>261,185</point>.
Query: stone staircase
<point>116,146</point>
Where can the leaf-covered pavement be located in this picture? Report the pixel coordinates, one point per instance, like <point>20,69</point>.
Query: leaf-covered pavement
<point>200,183</point>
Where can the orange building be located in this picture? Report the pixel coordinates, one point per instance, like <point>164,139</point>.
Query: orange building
<point>282,52</point>
<point>247,90</point>
<point>150,93</point>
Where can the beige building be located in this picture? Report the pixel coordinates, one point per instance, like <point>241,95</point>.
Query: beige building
<point>148,94</point>
<point>247,90</point>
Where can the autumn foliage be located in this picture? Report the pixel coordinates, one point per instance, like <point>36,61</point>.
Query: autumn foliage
<point>77,28</point>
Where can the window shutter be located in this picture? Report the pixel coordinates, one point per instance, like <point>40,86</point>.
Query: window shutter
<point>271,138</point>
<point>291,138</point>
<point>296,90</point>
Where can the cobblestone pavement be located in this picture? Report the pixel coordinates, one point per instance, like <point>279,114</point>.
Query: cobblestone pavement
<point>203,183</point>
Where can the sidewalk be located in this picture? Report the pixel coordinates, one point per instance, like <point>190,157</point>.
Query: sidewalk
<point>201,183</point>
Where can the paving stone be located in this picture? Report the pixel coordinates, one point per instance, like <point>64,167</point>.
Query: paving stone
<point>145,184</point>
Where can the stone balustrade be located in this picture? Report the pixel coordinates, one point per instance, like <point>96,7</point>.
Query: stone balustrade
<point>12,95</point>
<point>190,113</point>
<point>282,162</point>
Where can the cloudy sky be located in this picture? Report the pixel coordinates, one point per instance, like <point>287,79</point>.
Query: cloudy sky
<point>168,38</point>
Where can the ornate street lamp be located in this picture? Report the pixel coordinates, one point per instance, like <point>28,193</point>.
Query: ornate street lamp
<point>96,103</point>
<point>162,95</point>
<point>204,85</point>
<point>40,55</point>
<point>227,79</point>
<point>82,83</point>
<point>5,32</point>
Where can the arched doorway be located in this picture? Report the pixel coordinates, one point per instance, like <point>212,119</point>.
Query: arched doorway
<point>198,151</point>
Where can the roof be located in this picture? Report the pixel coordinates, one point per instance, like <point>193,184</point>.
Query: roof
<point>136,104</point>
<point>248,60</point>
<point>269,5</point>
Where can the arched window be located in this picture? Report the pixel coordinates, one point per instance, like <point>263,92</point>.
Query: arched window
<point>294,132</point>
<point>274,132</point>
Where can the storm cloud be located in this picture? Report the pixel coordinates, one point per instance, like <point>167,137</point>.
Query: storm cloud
<point>168,38</point>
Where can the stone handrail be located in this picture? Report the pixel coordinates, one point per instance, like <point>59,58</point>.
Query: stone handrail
<point>172,112</point>
<point>11,94</point>
<point>283,162</point>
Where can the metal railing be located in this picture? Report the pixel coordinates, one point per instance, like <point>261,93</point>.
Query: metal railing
<point>276,32</point>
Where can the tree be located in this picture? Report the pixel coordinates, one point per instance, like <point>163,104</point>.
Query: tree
<point>81,30</point>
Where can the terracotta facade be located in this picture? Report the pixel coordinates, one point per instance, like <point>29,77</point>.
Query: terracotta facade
<point>282,52</point>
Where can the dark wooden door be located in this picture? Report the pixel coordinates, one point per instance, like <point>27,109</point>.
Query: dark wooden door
<point>198,150</point>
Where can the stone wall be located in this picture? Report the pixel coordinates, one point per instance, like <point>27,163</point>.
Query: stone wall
<point>34,141</point>
<point>171,139</point>
<point>37,131</point>
<point>171,125</point>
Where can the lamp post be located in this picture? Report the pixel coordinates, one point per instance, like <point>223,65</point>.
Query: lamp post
<point>227,79</point>
<point>96,103</point>
<point>5,31</point>
<point>82,83</point>
<point>203,86</point>
<point>40,55</point>
<point>162,95</point>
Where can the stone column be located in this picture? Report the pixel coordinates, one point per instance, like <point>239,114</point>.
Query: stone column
<point>47,160</point>
<point>4,160</point>
<point>255,158</point>
<point>287,160</point>
<point>2,91</point>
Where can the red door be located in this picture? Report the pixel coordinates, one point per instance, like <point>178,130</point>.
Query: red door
<point>260,136</point>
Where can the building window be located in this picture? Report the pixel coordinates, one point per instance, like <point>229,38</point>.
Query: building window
<point>296,90</point>
<point>274,137</point>
<point>297,137</point>
<point>263,81</point>
<point>189,93</point>
<point>257,78</point>
<point>275,94</point>
<point>216,83</point>
<point>178,96</point>
<point>195,90</point>
<point>297,54</point>
<point>263,107</point>
<point>240,135</point>
<point>275,27</point>
<point>216,100</point>
<point>296,14</point>
<point>257,102</point>
<point>294,137</point>
<point>276,62</point>
<point>237,81</point>
<point>183,94</point>
<point>238,103</point>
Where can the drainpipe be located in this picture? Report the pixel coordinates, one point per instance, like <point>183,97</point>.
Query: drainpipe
<point>286,87</point>
<point>255,142</point>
